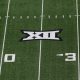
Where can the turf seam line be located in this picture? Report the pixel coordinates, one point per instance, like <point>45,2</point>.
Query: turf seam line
<point>2,52</point>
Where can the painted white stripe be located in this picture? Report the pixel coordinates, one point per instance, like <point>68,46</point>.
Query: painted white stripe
<point>42,15</point>
<point>0,17</point>
<point>59,55</point>
<point>2,53</point>
<point>77,13</point>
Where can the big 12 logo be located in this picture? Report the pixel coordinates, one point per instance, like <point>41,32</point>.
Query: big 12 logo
<point>41,35</point>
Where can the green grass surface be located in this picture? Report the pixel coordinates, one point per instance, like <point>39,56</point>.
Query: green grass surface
<point>27,53</point>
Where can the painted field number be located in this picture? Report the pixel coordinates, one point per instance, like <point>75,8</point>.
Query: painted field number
<point>9,58</point>
<point>70,56</point>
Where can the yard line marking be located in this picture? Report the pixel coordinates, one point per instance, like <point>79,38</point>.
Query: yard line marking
<point>63,16</point>
<point>42,15</point>
<point>49,16</point>
<point>56,16</point>
<point>77,13</point>
<point>70,16</point>
<point>7,16</point>
<point>2,53</point>
<point>59,55</point>
<point>13,17</point>
<point>0,17</point>
<point>28,17</point>
<point>21,17</point>
<point>35,17</point>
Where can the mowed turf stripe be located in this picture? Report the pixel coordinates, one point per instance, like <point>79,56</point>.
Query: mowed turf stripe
<point>27,53</point>
<point>53,67</point>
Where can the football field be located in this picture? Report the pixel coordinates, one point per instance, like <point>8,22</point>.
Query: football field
<point>40,59</point>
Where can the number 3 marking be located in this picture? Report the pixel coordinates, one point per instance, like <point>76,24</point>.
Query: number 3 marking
<point>70,56</point>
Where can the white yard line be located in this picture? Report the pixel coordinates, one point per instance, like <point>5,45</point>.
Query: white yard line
<point>42,15</point>
<point>77,13</point>
<point>2,53</point>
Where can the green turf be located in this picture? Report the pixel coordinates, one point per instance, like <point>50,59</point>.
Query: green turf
<point>27,53</point>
